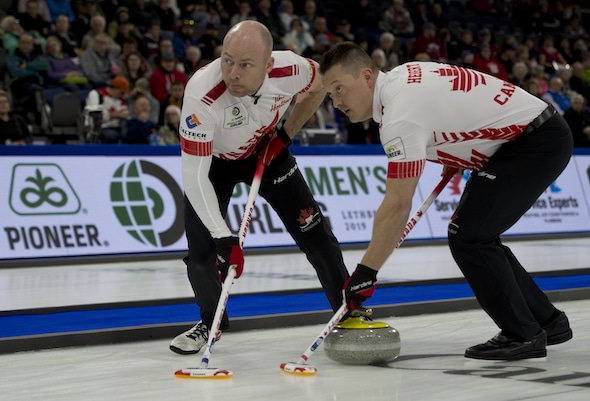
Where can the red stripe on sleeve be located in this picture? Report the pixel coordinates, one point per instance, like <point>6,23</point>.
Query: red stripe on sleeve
<point>405,169</point>
<point>196,148</point>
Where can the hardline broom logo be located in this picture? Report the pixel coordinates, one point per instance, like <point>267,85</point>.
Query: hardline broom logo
<point>138,192</point>
<point>41,189</point>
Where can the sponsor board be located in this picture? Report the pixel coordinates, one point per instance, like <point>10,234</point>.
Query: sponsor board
<point>55,206</point>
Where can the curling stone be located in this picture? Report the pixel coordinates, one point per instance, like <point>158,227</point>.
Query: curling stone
<point>357,341</point>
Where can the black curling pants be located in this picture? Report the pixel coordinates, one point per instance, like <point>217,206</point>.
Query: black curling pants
<point>494,199</point>
<point>284,188</point>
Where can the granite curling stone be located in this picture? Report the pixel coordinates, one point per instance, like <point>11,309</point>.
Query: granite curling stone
<point>357,341</point>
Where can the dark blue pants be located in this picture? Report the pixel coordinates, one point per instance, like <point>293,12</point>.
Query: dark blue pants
<point>284,188</point>
<point>493,201</point>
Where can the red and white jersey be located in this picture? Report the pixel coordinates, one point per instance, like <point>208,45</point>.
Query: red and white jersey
<point>215,123</point>
<point>447,114</point>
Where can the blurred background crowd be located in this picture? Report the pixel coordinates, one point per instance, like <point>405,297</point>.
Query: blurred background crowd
<point>114,71</point>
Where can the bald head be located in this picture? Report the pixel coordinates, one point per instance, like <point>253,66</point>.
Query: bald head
<point>251,33</point>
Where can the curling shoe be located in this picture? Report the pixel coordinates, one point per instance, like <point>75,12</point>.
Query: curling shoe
<point>504,348</point>
<point>192,340</point>
<point>558,330</point>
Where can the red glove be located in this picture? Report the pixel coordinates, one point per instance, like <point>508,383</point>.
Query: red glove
<point>229,253</point>
<point>359,286</point>
<point>275,146</point>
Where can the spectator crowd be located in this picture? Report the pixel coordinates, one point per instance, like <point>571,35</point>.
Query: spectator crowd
<point>128,61</point>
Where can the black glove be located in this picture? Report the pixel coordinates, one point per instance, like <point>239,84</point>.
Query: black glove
<point>229,253</point>
<point>359,286</point>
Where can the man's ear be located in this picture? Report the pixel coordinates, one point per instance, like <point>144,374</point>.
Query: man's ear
<point>270,64</point>
<point>368,76</point>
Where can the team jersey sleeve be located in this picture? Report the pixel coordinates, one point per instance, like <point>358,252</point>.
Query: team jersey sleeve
<point>197,127</point>
<point>404,143</point>
<point>301,70</point>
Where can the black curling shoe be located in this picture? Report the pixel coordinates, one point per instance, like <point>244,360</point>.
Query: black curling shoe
<point>505,348</point>
<point>558,330</point>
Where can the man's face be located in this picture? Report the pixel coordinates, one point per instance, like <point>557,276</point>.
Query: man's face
<point>577,103</point>
<point>177,91</point>
<point>25,44</point>
<point>62,24</point>
<point>101,44</point>
<point>351,95</point>
<point>244,65</point>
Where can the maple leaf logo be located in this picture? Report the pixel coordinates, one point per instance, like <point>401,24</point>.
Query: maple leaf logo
<point>464,78</point>
<point>305,216</point>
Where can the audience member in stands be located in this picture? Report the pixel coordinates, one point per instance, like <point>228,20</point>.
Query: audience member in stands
<point>12,32</point>
<point>344,31</point>
<point>141,13</point>
<point>57,7</point>
<point>387,44</point>
<point>142,88</point>
<point>556,96</point>
<point>166,16</point>
<point>287,14</point>
<point>185,37</point>
<point>575,30</point>
<point>484,37</point>
<point>522,55</point>
<point>42,7</point>
<point>484,61</point>
<point>110,102</point>
<point>163,76</point>
<point>32,21</point>
<point>193,60</point>
<point>140,130</point>
<point>98,62</point>
<point>134,68</point>
<point>297,38</point>
<point>208,41</point>
<point>520,74</point>
<point>506,58</point>
<point>174,98</point>
<point>98,27</point>
<point>310,12</point>
<point>243,13</point>
<point>151,37</point>
<point>539,74</point>
<point>26,68</point>
<point>549,57</point>
<point>577,84</point>
<point>397,20</point>
<point>267,16</point>
<point>362,15</point>
<point>62,72</point>
<point>533,87</point>
<point>465,43</point>
<point>165,46</point>
<point>13,128</point>
<point>170,125</point>
<point>428,43</point>
<point>81,25</point>
<point>421,15</point>
<point>578,119</point>
<point>69,42</point>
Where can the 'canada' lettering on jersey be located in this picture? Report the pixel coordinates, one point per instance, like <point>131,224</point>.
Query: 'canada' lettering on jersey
<point>447,114</point>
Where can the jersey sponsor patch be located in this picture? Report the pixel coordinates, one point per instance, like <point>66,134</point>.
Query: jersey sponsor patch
<point>192,121</point>
<point>394,149</point>
<point>235,116</point>
<point>191,135</point>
